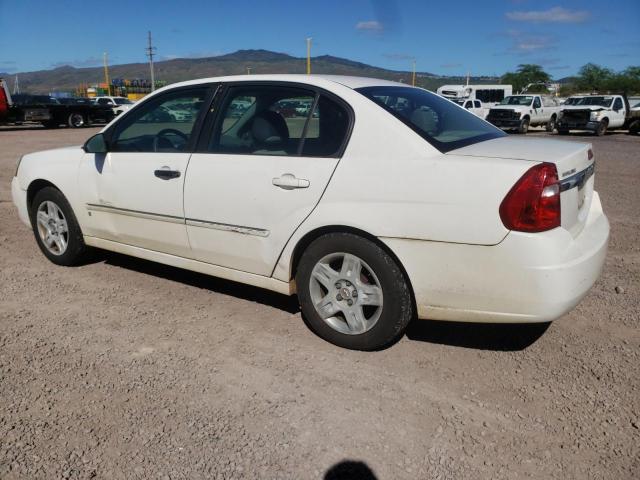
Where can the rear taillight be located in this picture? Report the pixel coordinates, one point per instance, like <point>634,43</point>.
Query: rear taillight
<point>533,203</point>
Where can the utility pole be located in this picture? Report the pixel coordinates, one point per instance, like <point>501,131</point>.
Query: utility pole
<point>413,76</point>
<point>106,73</point>
<point>151,51</point>
<point>309,56</point>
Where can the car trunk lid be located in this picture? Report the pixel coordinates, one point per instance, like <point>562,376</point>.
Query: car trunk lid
<point>574,162</point>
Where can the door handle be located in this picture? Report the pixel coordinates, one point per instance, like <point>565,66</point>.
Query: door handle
<point>288,181</point>
<point>165,173</point>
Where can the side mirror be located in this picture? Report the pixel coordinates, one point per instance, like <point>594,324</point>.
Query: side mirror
<point>96,144</point>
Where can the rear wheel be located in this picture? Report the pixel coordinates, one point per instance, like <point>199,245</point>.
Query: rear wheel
<point>76,120</point>
<point>352,293</point>
<point>602,127</point>
<point>551,124</point>
<point>524,126</point>
<point>56,228</point>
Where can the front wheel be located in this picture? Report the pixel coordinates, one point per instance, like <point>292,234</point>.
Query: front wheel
<point>352,293</point>
<point>602,128</point>
<point>56,228</point>
<point>524,126</point>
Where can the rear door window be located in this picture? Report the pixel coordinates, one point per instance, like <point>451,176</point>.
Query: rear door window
<point>278,120</point>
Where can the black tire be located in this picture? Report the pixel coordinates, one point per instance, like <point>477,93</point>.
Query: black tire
<point>397,305</point>
<point>634,128</point>
<point>76,120</point>
<point>524,125</point>
<point>76,251</point>
<point>551,124</point>
<point>602,127</point>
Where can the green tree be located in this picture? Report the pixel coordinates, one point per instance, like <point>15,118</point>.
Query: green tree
<point>525,74</point>
<point>594,78</point>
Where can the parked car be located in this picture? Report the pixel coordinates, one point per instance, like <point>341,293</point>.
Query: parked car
<point>117,104</point>
<point>599,113</point>
<point>372,214</point>
<point>519,112</point>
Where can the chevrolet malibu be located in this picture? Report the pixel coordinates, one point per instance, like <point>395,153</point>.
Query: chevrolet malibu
<point>378,204</point>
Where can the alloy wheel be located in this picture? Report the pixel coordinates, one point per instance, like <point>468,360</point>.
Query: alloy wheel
<point>52,227</point>
<point>346,293</point>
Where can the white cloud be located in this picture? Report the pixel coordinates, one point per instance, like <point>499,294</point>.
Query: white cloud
<point>370,26</point>
<point>553,15</point>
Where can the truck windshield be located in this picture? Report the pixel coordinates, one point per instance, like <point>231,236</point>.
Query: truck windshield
<point>517,100</point>
<point>441,123</point>
<point>598,101</point>
<point>572,100</point>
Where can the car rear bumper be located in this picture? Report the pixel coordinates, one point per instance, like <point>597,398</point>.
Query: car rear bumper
<point>525,278</point>
<point>19,197</point>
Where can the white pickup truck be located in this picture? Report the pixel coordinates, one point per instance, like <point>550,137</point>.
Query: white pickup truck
<point>598,113</point>
<point>519,112</point>
<point>474,106</point>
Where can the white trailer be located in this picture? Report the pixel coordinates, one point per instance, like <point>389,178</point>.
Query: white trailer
<point>487,94</point>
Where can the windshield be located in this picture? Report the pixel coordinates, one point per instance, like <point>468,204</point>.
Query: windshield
<point>572,100</point>
<point>436,119</point>
<point>517,100</point>
<point>599,101</point>
<point>122,101</point>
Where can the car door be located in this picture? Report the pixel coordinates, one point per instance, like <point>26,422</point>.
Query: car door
<point>538,111</point>
<point>134,193</point>
<point>271,151</point>
<point>618,113</point>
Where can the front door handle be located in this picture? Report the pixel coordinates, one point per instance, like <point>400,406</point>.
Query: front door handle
<point>289,181</point>
<point>165,173</point>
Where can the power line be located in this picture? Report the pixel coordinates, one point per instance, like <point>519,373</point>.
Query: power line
<point>151,51</point>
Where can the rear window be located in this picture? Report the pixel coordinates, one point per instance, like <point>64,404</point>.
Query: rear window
<point>439,121</point>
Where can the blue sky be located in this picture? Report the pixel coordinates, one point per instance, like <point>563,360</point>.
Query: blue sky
<point>483,37</point>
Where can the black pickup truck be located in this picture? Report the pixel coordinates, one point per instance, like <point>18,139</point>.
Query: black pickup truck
<point>74,112</point>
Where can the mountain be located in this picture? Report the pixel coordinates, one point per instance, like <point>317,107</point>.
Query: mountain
<point>67,78</point>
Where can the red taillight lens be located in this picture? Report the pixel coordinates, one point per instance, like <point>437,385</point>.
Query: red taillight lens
<point>533,204</point>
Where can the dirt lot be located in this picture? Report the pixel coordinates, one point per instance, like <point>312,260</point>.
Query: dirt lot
<point>123,369</point>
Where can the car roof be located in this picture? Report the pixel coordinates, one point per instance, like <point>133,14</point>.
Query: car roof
<point>316,80</point>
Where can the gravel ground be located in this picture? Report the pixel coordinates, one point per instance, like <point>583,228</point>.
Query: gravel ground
<point>124,369</point>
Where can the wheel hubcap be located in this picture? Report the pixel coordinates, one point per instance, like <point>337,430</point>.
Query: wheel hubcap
<point>52,227</point>
<point>346,293</point>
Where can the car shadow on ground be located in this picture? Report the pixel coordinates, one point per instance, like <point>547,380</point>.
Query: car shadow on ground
<point>350,470</point>
<point>499,337</point>
<point>505,337</point>
<point>199,280</point>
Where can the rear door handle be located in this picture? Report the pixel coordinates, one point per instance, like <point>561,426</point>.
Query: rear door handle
<point>288,181</point>
<point>165,173</point>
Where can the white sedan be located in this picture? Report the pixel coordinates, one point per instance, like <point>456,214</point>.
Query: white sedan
<point>380,204</point>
